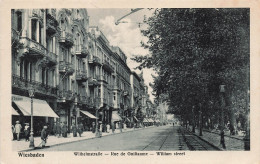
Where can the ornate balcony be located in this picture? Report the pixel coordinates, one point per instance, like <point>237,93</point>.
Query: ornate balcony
<point>19,84</point>
<point>81,76</point>
<point>108,66</point>
<point>81,51</point>
<point>51,23</point>
<point>92,82</point>
<point>66,67</point>
<point>126,93</point>
<point>66,38</point>
<point>34,49</point>
<point>52,58</point>
<point>95,60</point>
<point>82,99</point>
<point>65,95</point>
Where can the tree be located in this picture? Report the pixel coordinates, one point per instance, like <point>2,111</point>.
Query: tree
<point>193,51</point>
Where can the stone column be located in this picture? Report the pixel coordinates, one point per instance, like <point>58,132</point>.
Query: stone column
<point>37,31</point>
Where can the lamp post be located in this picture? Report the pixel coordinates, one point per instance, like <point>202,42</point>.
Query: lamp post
<point>222,138</point>
<point>31,95</point>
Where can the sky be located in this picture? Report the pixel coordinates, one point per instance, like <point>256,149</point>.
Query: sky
<point>127,36</point>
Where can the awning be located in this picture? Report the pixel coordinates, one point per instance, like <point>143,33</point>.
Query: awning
<point>40,107</point>
<point>128,119</point>
<point>145,120</point>
<point>14,112</point>
<point>115,116</point>
<point>151,120</point>
<point>88,114</point>
<point>136,118</point>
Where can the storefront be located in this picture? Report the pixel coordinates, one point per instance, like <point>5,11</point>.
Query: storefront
<point>87,120</point>
<point>43,114</point>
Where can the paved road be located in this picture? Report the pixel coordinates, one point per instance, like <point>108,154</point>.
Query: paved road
<point>163,138</point>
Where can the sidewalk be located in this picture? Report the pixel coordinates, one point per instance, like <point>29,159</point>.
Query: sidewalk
<point>54,141</point>
<point>234,143</point>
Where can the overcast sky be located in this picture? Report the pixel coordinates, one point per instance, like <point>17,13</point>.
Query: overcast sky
<point>127,36</point>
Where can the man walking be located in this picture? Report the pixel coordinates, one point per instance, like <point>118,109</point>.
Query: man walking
<point>18,128</point>
<point>44,136</point>
<point>58,128</point>
<point>27,131</point>
<point>80,129</point>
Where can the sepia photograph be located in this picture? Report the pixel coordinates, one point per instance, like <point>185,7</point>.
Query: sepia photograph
<point>140,79</point>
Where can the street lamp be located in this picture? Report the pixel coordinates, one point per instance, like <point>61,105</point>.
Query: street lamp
<point>222,138</point>
<point>31,95</point>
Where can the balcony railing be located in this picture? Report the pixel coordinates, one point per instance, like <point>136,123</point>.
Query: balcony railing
<point>67,95</point>
<point>66,38</point>
<point>92,81</point>
<point>82,99</point>
<point>66,67</point>
<point>34,48</point>
<point>81,75</point>
<point>23,84</point>
<point>126,93</point>
<point>108,66</point>
<point>81,51</point>
<point>95,60</point>
<point>51,23</point>
<point>52,57</point>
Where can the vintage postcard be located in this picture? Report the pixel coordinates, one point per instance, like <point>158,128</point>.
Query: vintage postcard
<point>130,82</point>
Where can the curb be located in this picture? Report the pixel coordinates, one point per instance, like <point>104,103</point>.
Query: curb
<point>64,143</point>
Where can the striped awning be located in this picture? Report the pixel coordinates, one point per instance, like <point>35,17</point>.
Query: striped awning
<point>14,112</point>
<point>88,114</point>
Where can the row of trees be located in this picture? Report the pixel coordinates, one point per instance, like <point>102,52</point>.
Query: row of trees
<point>194,51</point>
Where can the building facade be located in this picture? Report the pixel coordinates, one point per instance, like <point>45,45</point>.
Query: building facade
<point>72,68</point>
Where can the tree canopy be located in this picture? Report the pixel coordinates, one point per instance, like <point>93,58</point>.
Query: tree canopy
<point>194,51</point>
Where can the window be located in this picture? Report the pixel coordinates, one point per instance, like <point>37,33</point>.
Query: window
<point>40,34</point>
<point>19,21</point>
<point>34,29</point>
<point>114,96</point>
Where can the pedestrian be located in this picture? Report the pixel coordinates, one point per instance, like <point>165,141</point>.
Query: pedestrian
<point>108,128</point>
<point>74,129</point>
<point>54,129</point>
<point>64,129</point>
<point>18,128</point>
<point>58,129</point>
<point>100,129</point>
<point>13,132</point>
<point>80,129</point>
<point>26,131</point>
<point>93,127</point>
<point>44,136</point>
<point>222,139</point>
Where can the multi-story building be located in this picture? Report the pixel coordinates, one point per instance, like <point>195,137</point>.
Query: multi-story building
<point>122,87</point>
<point>72,69</point>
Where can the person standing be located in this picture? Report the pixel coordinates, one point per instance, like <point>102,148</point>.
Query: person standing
<point>64,129</point>
<point>54,129</point>
<point>18,128</point>
<point>80,129</point>
<point>108,128</point>
<point>58,129</point>
<point>44,136</point>
<point>74,129</point>
<point>100,129</point>
<point>93,127</point>
<point>27,131</point>
<point>13,132</point>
